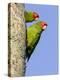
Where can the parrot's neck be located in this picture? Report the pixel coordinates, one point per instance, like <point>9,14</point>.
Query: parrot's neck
<point>30,17</point>
<point>39,29</point>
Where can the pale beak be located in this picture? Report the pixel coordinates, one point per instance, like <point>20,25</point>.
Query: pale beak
<point>45,27</point>
<point>36,18</point>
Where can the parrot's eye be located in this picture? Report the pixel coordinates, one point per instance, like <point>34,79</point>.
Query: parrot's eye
<point>35,15</point>
<point>44,25</point>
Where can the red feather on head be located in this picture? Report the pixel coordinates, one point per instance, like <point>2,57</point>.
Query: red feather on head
<point>43,24</point>
<point>35,16</point>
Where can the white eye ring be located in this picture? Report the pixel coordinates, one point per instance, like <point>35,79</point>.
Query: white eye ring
<point>44,27</point>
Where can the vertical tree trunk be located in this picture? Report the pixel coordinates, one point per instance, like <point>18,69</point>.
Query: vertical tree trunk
<point>16,40</point>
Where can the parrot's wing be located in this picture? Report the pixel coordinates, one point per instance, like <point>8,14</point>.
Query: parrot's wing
<point>32,40</point>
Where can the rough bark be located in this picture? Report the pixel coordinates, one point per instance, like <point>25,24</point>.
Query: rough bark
<point>16,40</point>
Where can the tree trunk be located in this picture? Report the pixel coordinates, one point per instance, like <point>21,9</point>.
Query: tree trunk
<point>16,40</point>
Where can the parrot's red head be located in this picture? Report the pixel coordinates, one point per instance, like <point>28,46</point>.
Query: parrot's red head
<point>43,25</point>
<point>35,16</point>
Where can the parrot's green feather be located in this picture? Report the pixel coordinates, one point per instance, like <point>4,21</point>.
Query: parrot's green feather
<point>33,35</point>
<point>28,16</point>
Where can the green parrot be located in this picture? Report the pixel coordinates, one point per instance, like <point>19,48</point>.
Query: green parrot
<point>33,35</point>
<point>30,16</point>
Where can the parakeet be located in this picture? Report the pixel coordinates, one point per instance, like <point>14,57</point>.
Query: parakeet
<point>33,35</point>
<point>30,16</point>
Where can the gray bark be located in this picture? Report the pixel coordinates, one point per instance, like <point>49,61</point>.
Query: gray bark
<point>16,40</point>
